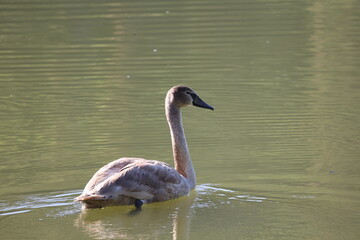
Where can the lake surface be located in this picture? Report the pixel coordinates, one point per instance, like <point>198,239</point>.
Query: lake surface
<point>83,83</point>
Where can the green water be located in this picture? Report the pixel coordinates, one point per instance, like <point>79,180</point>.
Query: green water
<point>83,83</point>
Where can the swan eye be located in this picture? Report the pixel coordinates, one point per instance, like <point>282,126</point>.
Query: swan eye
<point>192,95</point>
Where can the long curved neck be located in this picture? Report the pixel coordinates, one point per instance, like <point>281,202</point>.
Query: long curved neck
<point>182,160</point>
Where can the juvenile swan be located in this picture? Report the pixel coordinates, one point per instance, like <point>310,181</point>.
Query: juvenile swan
<point>135,180</point>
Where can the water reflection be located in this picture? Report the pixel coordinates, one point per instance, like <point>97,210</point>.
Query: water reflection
<point>171,218</point>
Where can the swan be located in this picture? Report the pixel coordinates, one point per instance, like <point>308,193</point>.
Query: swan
<point>134,181</point>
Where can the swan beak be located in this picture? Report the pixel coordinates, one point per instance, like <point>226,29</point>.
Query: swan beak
<point>198,102</point>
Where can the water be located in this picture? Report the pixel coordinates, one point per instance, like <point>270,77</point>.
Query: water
<point>83,83</point>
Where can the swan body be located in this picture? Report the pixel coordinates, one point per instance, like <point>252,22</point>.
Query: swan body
<point>135,180</point>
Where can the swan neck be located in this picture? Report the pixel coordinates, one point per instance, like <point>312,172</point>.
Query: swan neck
<point>182,159</point>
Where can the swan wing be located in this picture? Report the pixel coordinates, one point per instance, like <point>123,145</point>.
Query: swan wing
<point>148,180</point>
<point>135,178</point>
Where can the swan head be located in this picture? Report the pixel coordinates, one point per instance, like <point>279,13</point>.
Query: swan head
<point>182,96</point>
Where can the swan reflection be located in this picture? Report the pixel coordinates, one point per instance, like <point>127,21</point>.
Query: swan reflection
<point>171,219</point>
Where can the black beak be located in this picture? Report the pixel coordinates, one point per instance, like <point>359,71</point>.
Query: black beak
<point>198,102</point>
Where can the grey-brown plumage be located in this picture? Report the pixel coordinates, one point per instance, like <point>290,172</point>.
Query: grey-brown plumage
<point>127,180</point>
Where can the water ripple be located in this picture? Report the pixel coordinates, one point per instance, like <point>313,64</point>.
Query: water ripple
<point>28,203</point>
